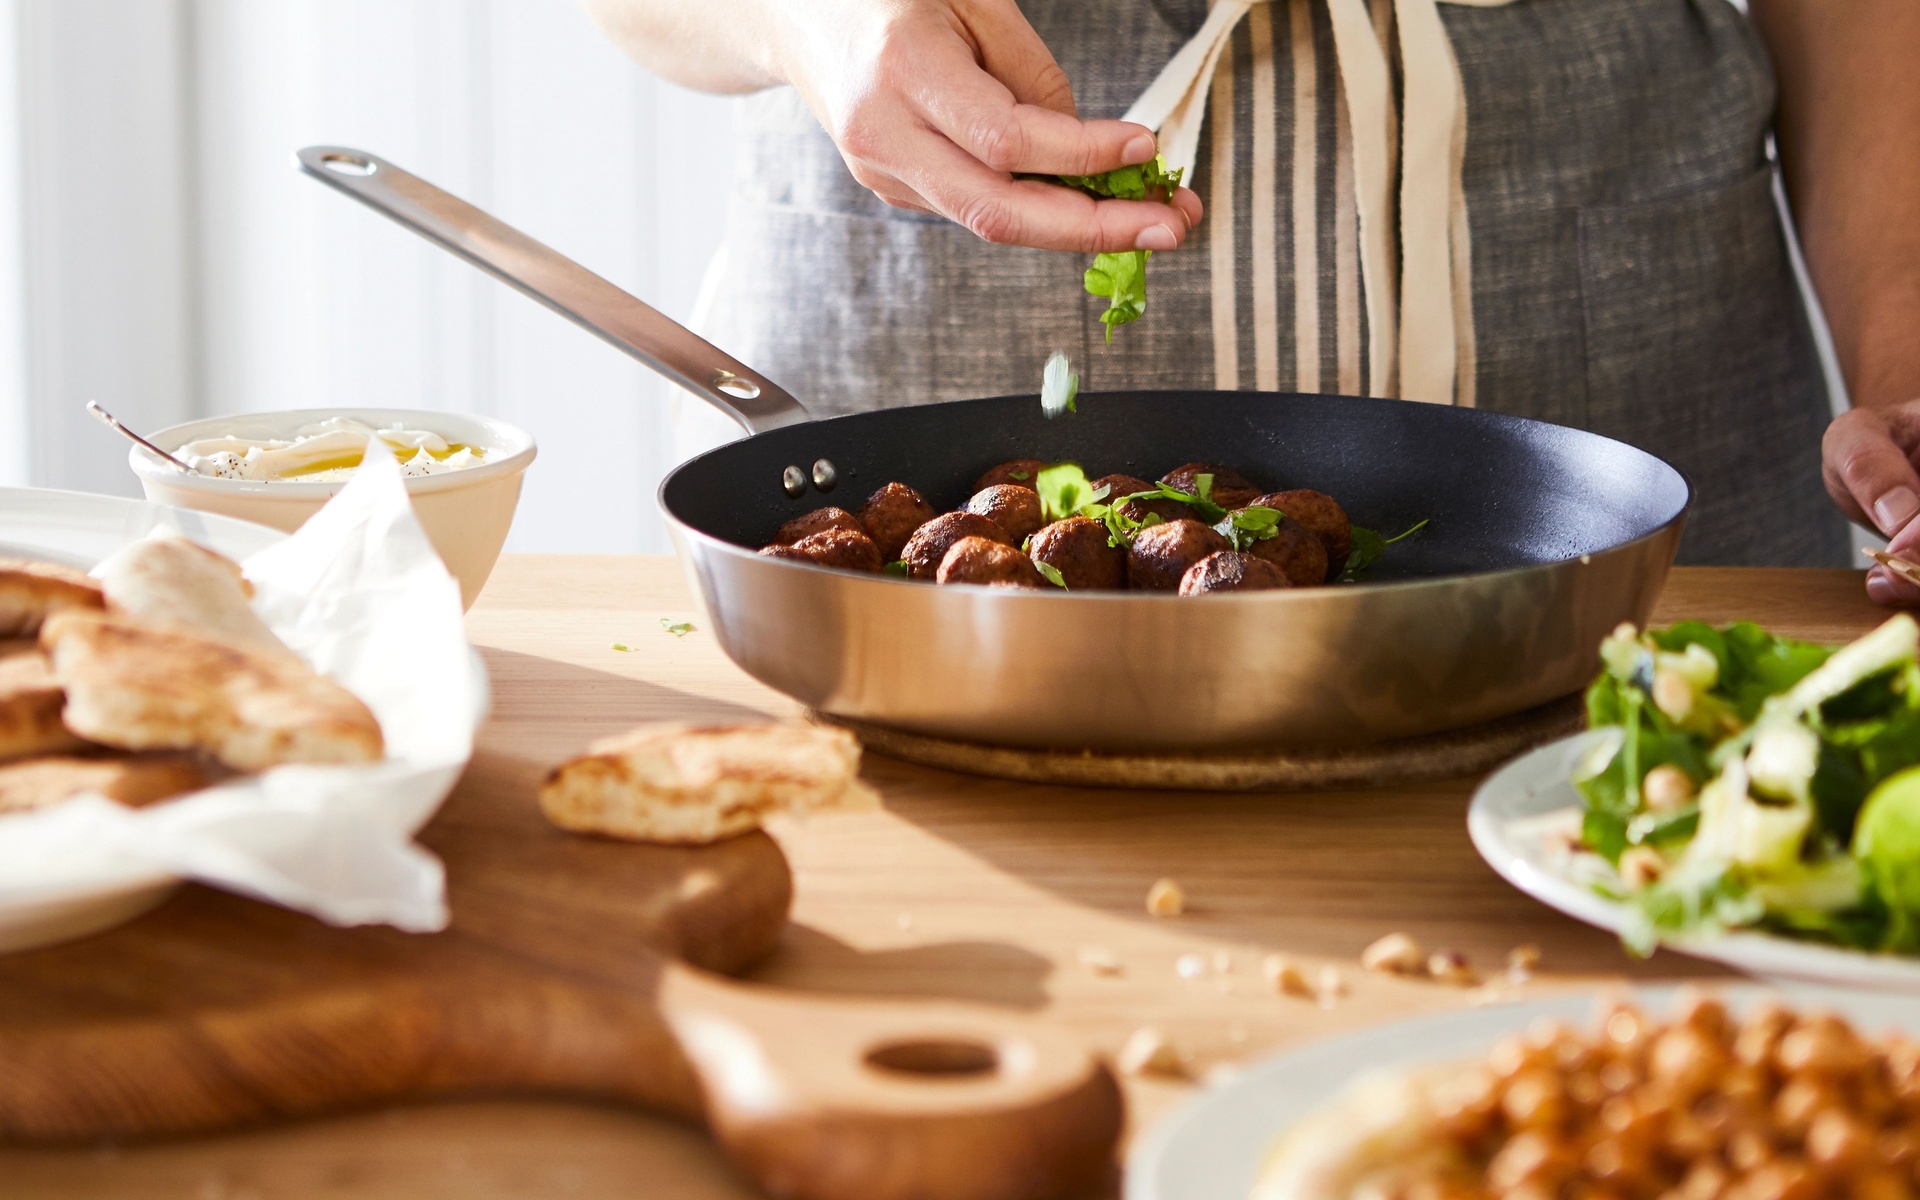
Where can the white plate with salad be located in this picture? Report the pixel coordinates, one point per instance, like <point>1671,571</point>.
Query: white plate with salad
<point>1738,796</point>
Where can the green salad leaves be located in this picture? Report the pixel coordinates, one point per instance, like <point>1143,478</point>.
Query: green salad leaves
<point>1121,277</point>
<point>1743,780</point>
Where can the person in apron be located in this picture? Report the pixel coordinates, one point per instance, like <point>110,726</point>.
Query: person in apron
<point>1559,209</point>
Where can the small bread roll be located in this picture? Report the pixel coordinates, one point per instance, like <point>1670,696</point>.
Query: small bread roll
<point>693,784</point>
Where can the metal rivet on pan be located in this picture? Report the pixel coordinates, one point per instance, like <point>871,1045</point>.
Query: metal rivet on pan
<point>824,476</point>
<point>794,480</point>
<point>733,385</point>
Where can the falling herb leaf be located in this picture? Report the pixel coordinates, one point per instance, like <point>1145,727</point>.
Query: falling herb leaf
<point>1369,547</point>
<point>1052,574</point>
<point>1058,386</point>
<point>1122,277</point>
<point>1065,491</point>
<point>676,628</point>
<point>897,567</point>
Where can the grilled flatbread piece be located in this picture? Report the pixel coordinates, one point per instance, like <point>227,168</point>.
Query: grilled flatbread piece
<point>697,784</point>
<point>139,688</point>
<point>30,591</point>
<point>172,583</point>
<point>133,780</point>
<point>30,703</point>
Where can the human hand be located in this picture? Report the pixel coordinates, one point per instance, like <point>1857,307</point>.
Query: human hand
<point>1867,459</point>
<point>938,105</point>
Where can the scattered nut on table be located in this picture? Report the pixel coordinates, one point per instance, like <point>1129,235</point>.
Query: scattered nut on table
<point>1150,1052</point>
<point>1451,966</point>
<point>1285,976</point>
<point>1166,899</point>
<point>1100,961</point>
<point>1521,961</point>
<point>1394,954</point>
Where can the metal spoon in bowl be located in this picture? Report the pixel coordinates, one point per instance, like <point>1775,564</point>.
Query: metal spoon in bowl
<point>113,423</point>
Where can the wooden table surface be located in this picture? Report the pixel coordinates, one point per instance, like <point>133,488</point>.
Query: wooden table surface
<point>962,887</point>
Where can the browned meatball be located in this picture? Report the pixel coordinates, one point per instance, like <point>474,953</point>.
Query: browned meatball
<point>930,543</point>
<point>1301,557</point>
<point>818,521</point>
<point>1231,571</point>
<point>1137,510</point>
<point>1018,470</point>
<point>978,560</point>
<point>1322,516</point>
<point>848,549</point>
<point>1231,489</point>
<point>1013,508</point>
<point>891,515</point>
<point>1080,550</point>
<point>1161,554</point>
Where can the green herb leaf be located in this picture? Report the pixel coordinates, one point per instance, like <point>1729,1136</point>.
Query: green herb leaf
<point>897,567</point>
<point>676,628</point>
<point>1058,386</point>
<point>1065,491</point>
<point>1051,574</point>
<point>623,647</point>
<point>1255,523</point>
<point>1369,548</point>
<point>1122,277</point>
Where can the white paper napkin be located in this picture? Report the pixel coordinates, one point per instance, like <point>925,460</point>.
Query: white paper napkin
<point>358,592</point>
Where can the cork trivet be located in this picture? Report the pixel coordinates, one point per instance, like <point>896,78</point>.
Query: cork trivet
<point>1432,756</point>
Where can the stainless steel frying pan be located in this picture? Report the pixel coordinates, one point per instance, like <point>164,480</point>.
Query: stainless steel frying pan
<point>1541,539</point>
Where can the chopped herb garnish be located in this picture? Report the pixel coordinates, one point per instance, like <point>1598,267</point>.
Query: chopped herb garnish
<point>1019,476</point>
<point>676,628</point>
<point>1122,277</point>
<point>1121,528</point>
<point>897,567</point>
<point>1369,547</point>
<point>1255,523</point>
<point>1065,491</point>
<point>623,647</point>
<point>1052,574</point>
<point>1058,386</point>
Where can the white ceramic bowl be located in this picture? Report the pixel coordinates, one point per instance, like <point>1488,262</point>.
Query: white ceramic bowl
<point>466,513</point>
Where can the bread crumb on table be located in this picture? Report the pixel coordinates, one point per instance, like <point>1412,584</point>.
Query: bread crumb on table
<point>1285,976</point>
<point>1166,899</point>
<point>1394,954</point>
<point>1150,1052</point>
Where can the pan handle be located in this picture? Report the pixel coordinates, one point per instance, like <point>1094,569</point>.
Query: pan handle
<point>558,282</point>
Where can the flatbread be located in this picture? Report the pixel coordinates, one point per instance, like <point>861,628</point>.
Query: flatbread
<point>134,781</point>
<point>31,591</point>
<point>30,704</point>
<point>695,784</point>
<point>135,687</point>
<point>172,583</point>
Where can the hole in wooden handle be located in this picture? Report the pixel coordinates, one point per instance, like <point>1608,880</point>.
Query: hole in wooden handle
<point>935,1057</point>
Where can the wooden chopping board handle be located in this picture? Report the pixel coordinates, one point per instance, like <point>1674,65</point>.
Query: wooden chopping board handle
<point>871,1100</point>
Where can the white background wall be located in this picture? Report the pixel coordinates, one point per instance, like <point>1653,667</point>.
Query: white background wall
<point>159,253</point>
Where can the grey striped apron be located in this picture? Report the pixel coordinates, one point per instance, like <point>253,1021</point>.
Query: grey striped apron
<point>1618,260</point>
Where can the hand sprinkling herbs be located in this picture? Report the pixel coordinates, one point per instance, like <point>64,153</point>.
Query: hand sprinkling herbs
<point>1122,277</point>
<point>1058,386</point>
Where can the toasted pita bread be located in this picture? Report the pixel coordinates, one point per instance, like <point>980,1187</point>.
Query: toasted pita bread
<point>138,688</point>
<point>172,583</point>
<point>697,784</point>
<point>31,591</point>
<point>133,781</point>
<point>30,704</point>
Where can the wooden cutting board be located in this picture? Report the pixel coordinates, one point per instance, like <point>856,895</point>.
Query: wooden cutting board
<point>573,966</point>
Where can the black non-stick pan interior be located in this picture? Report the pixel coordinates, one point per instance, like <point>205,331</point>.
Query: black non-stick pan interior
<point>1497,491</point>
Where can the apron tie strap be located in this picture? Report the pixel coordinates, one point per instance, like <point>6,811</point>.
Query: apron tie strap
<point>1433,350</point>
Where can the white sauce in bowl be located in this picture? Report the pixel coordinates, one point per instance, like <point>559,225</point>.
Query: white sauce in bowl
<point>324,451</point>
